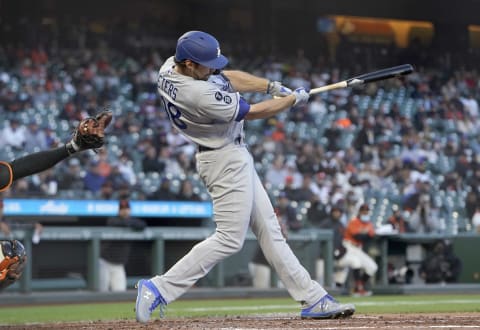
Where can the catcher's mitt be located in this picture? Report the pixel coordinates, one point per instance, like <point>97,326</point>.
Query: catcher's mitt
<point>90,133</point>
<point>12,262</point>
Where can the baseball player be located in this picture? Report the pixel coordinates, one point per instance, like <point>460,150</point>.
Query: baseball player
<point>205,105</point>
<point>359,231</point>
<point>88,135</point>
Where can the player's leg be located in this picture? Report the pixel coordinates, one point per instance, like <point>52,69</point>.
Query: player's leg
<point>228,178</point>
<point>297,280</point>
<point>118,281</point>
<point>265,226</point>
<point>229,183</point>
<point>104,275</point>
<point>261,275</point>
<point>360,261</point>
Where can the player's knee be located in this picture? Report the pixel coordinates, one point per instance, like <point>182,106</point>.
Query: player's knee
<point>373,268</point>
<point>234,246</point>
<point>356,264</point>
<point>231,243</point>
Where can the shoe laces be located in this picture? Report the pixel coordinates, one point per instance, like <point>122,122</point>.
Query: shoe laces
<point>326,301</point>
<point>322,304</point>
<point>162,310</point>
<point>158,302</point>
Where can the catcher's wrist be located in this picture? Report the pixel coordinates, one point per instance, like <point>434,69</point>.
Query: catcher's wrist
<point>72,147</point>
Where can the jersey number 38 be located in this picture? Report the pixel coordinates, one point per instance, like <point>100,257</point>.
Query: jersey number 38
<point>174,113</point>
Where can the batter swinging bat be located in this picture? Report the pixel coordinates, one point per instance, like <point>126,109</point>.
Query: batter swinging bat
<point>395,71</point>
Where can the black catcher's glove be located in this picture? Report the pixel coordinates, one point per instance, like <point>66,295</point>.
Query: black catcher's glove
<point>12,262</point>
<point>90,133</point>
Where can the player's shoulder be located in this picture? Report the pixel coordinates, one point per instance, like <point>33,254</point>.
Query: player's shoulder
<point>167,65</point>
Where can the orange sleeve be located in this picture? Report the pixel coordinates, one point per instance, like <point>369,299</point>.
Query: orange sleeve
<point>4,166</point>
<point>354,227</point>
<point>371,229</point>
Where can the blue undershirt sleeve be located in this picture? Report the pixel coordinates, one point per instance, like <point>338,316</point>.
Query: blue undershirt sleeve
<point>244,108</point>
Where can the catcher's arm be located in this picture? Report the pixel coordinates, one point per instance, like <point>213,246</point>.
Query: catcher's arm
<point>12,262</point>
<point>89,134</point>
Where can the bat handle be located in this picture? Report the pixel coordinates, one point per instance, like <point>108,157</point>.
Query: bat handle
<point>341,84</point>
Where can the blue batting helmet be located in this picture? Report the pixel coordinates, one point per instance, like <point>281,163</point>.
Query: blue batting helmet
<point>200,47</point>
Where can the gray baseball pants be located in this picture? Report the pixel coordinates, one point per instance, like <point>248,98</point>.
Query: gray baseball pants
<point>239,201</point>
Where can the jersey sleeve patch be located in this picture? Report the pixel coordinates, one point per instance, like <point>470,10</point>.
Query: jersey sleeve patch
<point>219,105</point>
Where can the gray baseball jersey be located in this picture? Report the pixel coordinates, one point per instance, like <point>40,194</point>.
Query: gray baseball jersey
<point>204,111</point>
<point>211,115</point>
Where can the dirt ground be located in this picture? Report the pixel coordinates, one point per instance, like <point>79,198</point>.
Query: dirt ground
<point>358,321</point>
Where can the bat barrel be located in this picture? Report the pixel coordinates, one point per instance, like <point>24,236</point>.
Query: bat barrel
<point>395,71</point>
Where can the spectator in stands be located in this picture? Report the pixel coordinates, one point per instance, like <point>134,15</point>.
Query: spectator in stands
<point>71,177</point>
<point>316,212</point>
<point>114,254</point>
<point>333,135</point>
<point>150,161</point>
<point>185,163</point>
<point>358,233</point>
<point>307,159</point>
<point>414,192</point>
<point>46,182</point>
<point>365,138</point>
<point>186,192</point>
<point>472,201</point>
<point>93,178</point>
<point>104,167</point>
<point>35,139</point>
<point>51,137</point>
<point>164,192</point>
<point>398,222</point>
<point>277,173</point>
<point>476,219</point>
<point>424,218</point>
<point>107,191</point>
<point>304,192</point>
<point>117,179</point>
<point>352,202</point>
<point>286,213</point>
<point>278,134</point>
<point>289,188</point>
<point>471,105</point>
<point>441,265</point>
<point>171,162</point>
<point>13,135</point>
<point>125,168</point>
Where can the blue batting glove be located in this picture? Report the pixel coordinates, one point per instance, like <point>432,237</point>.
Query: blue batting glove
<point>276,89</point>
<point>301,96</point>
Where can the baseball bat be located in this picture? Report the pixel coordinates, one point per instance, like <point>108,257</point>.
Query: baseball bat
<point>395,71</point>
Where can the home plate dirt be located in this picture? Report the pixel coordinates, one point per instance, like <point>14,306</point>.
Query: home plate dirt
<point>358,321</point>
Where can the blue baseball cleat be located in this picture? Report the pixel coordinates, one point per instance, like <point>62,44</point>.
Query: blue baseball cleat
<point>327,308</point>
<point>148,298</point>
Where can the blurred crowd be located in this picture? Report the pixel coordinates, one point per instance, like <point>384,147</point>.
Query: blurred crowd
<point>408,147</point>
